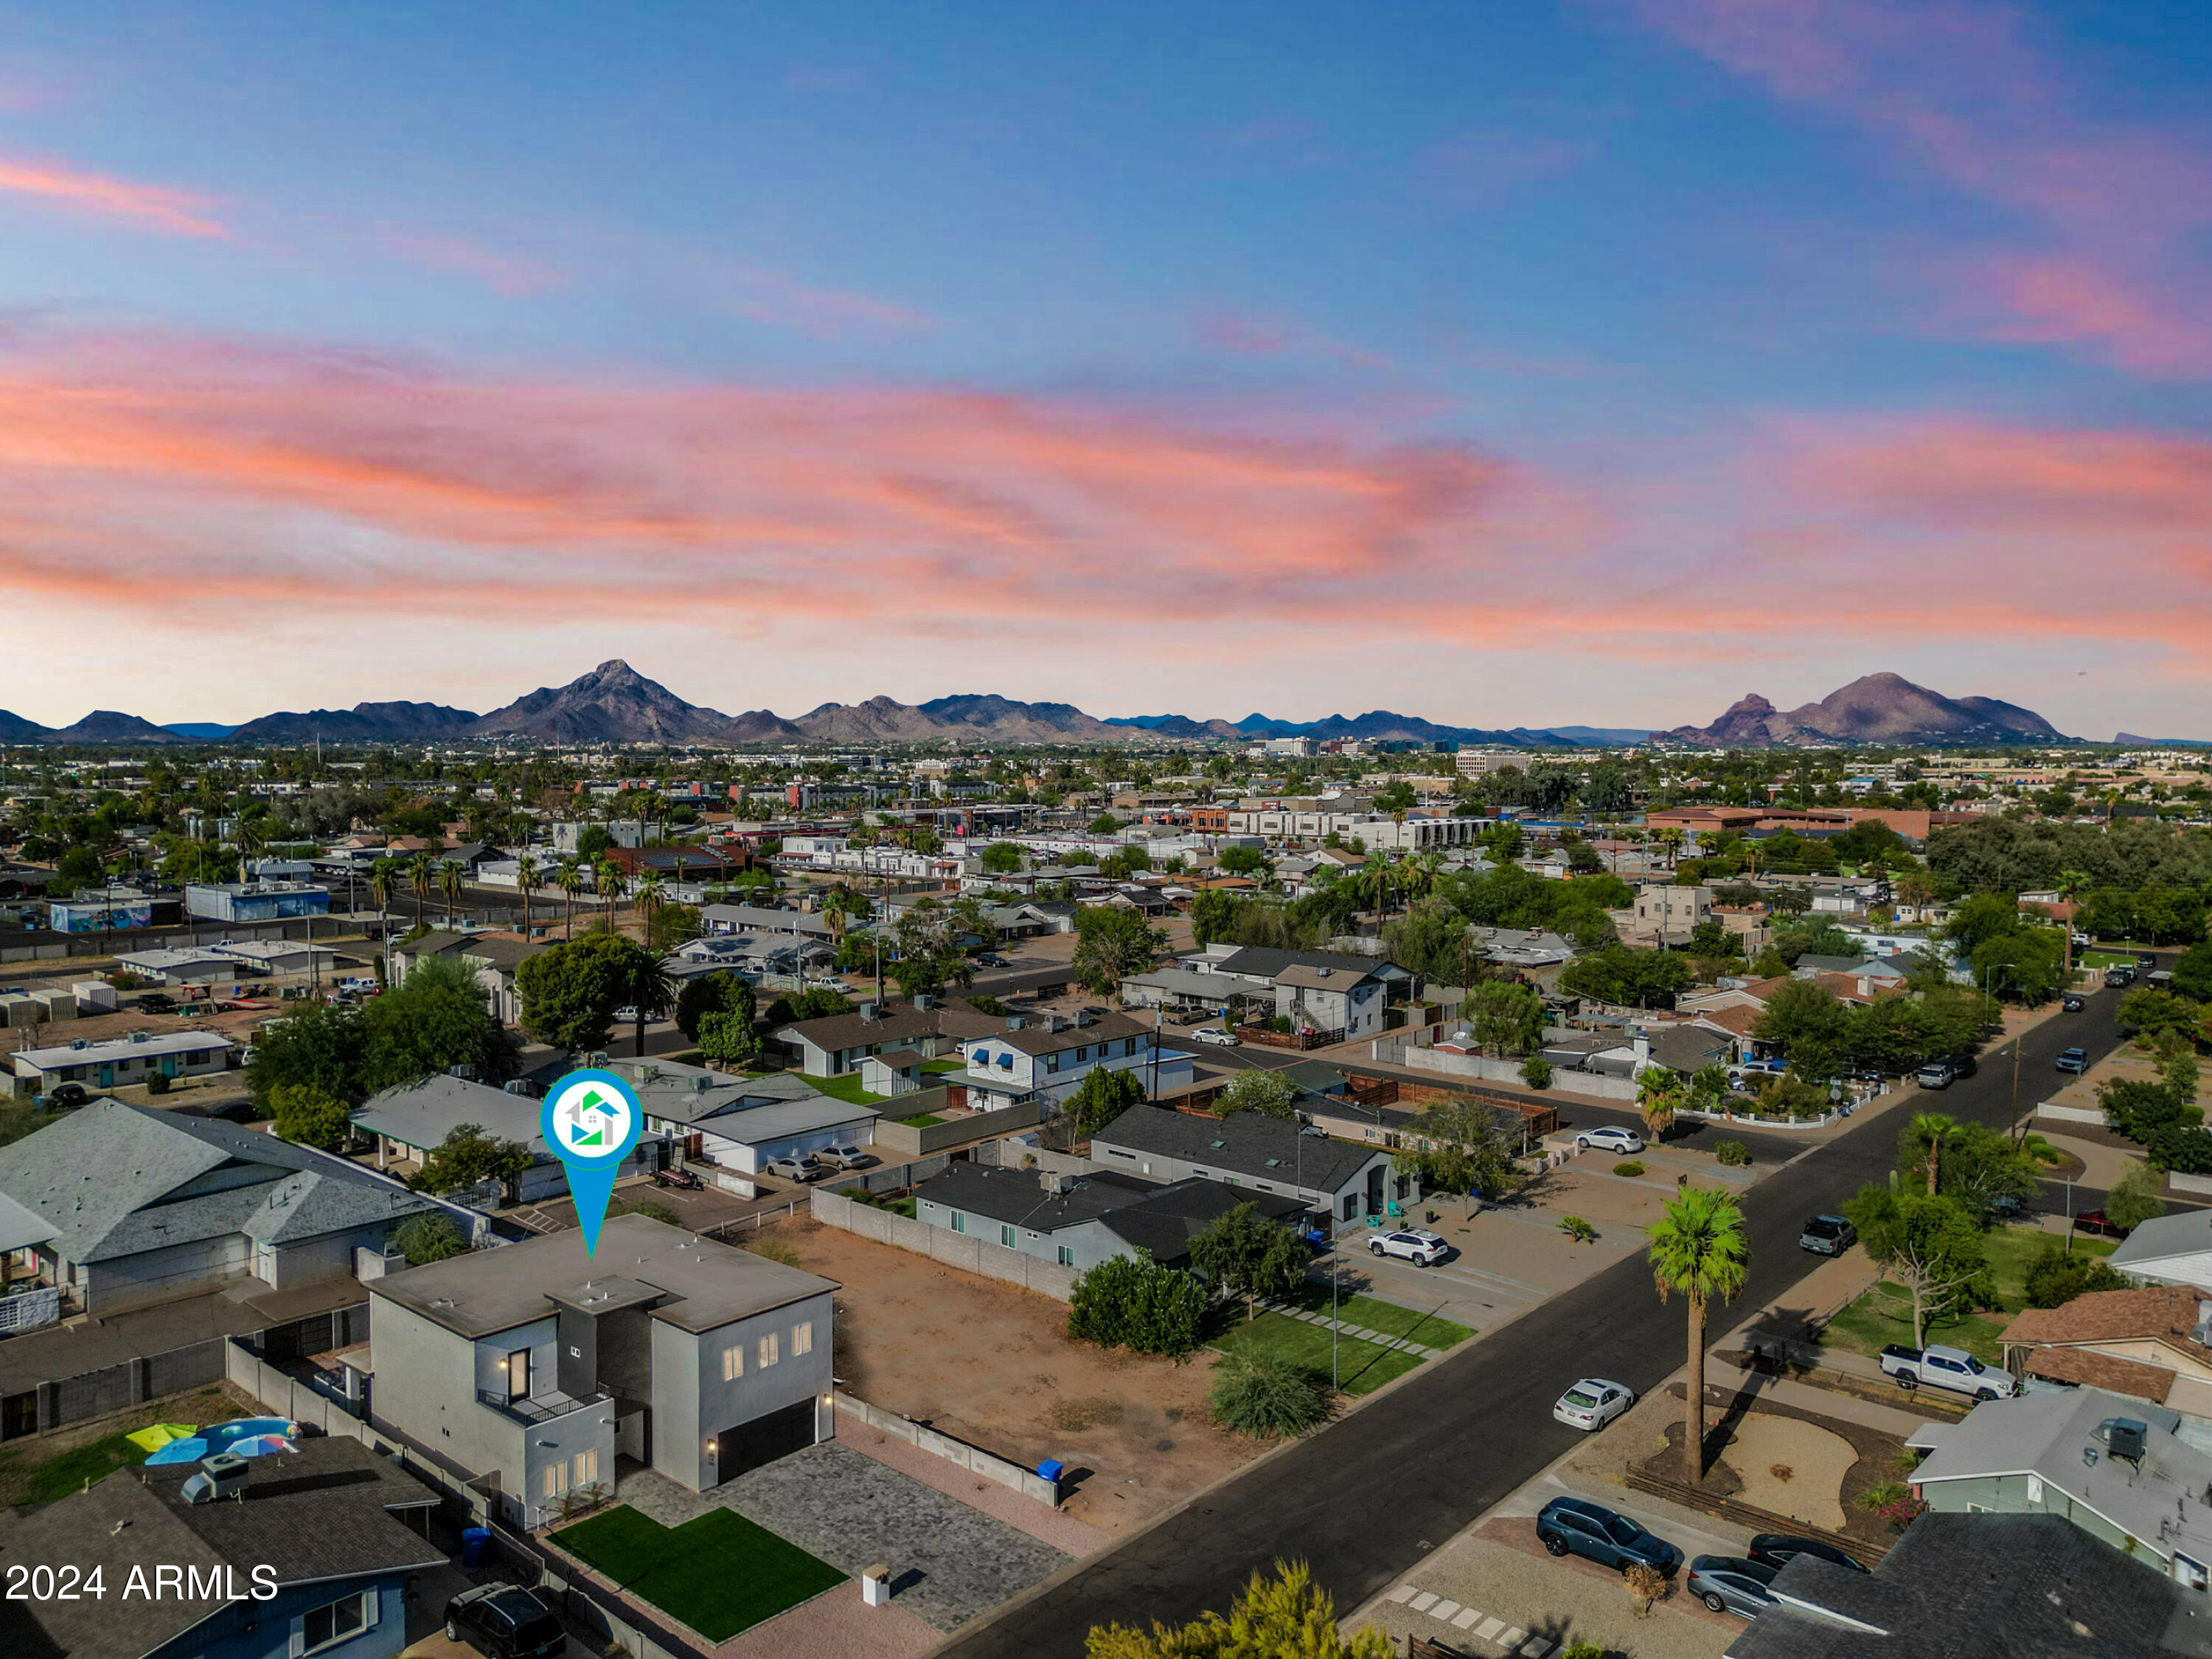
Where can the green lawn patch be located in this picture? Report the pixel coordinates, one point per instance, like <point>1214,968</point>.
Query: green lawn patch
<point>718,1574</point>
<point>42,1483</point>
<point>1362,1366</point>
<point>949,1063</point>
<point>922,1120</point>
<point>847,1089</point>
<point>1874,1320</point>
<point>1387,1317</point>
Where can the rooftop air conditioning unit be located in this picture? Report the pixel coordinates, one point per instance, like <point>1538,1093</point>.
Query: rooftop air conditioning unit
<point>925,1002</point>
<point>870,1011</point>
<point>223,1475</point>
<point>599,1059</point>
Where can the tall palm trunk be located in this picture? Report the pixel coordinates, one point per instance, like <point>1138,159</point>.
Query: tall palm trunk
<point>1693,1416</point>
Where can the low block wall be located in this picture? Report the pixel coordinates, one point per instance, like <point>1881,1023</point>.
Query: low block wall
<point>287,1396</point>
<point>958,1250</point>
<point>2073,1114</point>
<point>1591,1085</point>
<point>1027,1482</point>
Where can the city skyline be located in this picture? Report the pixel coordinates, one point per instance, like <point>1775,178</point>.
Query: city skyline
<point>1592,365</point>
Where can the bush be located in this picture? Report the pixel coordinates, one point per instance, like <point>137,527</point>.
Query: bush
<point>426,1238</point>
<point>1132,1302</point>
<point>1536,1071</point>
<point>1577,1228</point>
<point>774,1249</point>
<point>1631,1169</point>
<point>1732,1152</point>
<point>1876,1498</point>
<point>1280,1024</point>
<point>2056,1276</point>
<point>158,1084</point>
<point>1265,1395</point>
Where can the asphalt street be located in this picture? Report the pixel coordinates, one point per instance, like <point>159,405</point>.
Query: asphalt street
<point>1362,1501</point>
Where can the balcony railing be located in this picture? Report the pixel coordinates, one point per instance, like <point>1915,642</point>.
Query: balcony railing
<point>543,1408</point>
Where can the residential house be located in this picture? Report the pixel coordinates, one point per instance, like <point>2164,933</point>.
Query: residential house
<point>2085,1456</point>
<point>120,1061</point>
<point>184,965</point>
<point>2150,1343</point>
<point>1265,1154</point>
<point>317,1555</point>
<point>1047,1058</point>
<point>837,1043</point>
<point>412,1121</point>
<point>144,1205</point>
<point>1668,914</point>
<point>1316,990</point>
<point>1978,1586</point>
<point>276,958</point>
<point>1079,1221</point>
<point>496,956</point>
<point>761,918</point>
<point>740,1122</point>
<point>2171,1249</point>
<point>525,1372</point>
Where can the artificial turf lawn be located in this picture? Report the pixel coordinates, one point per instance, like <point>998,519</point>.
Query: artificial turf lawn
<point>1876,1320</point>
<point>718,1574</point>
<point>1387,1317</point>
<point>1362,1366</point>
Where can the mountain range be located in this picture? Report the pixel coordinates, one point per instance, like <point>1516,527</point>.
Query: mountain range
<point>616,704</point>
<point>1886,708</point>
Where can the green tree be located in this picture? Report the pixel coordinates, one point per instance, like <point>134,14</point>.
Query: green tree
<point>1258,1088</point>
<point>424,1239</point>
<point>316,1046</point>
<point>1922,1141</point>
<point>1113,942</point>
<point>2136,1197</point>
<point>1244,1255</point>
<point>1928,1247</point>
<point>310,1117</point>
<point>1102,1096</point>
<point>1698,1246</point>
<point>1001,858</point>
<point>722,993</point>
<point>727,1038</point>
<point>1212,916</point>
<point>468,1157</point>
<point>593,843</point>
<point>1242,861</point>
<point>2192,972</point>
<point>1458,1145</point>
<point>1659,1095</point>
<point>1505,1018</point>
<point>1133,1302</point>
<point>1536,1071</point>
<point>1808,1024</point>
<point>2152,1013</point>
<point>570,992</point>
<point>2029,965</point>
<point>1286,1617</point>
<point>435,1020</point>
<point>2056,1275</point>
<point>1267,1396</point>
<point>820,1002</point>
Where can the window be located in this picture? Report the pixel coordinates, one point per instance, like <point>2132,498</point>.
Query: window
<point>959,1221</point>
<point>1129,1045</point>
<point>587,1468</point>
<point>1066,1254</point>
<point>1006,1236</point>
<point>556,1480</point>
<point>802,1339</point>
<point>769,1345</point>
<point>343,1619</point>
<point>733,1362</point>
<point>1350,1205</point>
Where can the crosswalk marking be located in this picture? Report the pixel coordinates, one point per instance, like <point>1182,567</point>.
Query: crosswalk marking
<point>1534,1648</point>
<point>1513,1638</point>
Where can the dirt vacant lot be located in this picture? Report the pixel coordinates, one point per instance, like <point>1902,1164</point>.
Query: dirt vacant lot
<point>992,1366</point>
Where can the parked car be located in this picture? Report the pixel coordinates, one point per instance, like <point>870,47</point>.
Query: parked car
<point>1415,1244</point>
<point>2146,963</point>
<point>1608,1138</point>
<point>2094,1221</point>
<point>1946,1368</point>
<point>1572,1525</point>
<point>846,1157</point>
<point>2075,1059</point>
<point>2072,1004</point>
<point>2082,941</point>
<point>990,959</point>
<point>2122,975</point>
<point>1778,1549</point>
<point>679,1178</point>
<point>1728,1583</point>
<point>65,1097</point>
<point>1936,1074</point>
<point>1591,1404</point>
<point>505,1622</point>
<point>1962,1065</point>
<point>1827,1234</point>
<point>1216,1035</point>
<point>626,1015</point>
<point>803,1167</point>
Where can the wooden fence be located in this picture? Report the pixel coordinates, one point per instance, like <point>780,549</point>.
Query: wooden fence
<point>1746,1514</point>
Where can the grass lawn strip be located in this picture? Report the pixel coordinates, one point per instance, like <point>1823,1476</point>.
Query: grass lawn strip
<point>1362,1366</point>
<point>1874,1320</point>
<point>846,1087</point>
<point>94,1460</point>
<point>718,1574</point>
<point>1390,1318</point>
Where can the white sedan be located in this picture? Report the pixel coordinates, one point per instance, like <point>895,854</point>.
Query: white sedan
<point>1216,1035</point>
<point>1592,1403</point>
<point>1415,1244</point>
<point>1609,1140</point>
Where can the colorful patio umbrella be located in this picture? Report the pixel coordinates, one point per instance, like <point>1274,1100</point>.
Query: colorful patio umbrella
<point>189,1450</point>
<point>155,1436</point>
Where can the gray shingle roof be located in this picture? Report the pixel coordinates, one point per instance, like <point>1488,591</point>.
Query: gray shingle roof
<point>1246,1144</point>
<point>1018,1198</point>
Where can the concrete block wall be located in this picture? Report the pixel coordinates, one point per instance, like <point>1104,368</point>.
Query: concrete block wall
<point>960,1250</point>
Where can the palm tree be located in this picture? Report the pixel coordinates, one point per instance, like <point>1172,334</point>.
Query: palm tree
<point>1699,1248</point>
<point>569,878</point>
<point>1929,1131</point>
<point>383,877</point>
<point>420,873</point>
<point>651,991</point>
<point>1658,1092</point>
<point>647,899</point>
<point>526,877</point>
<point>608,877</point>
<point>449,885</point>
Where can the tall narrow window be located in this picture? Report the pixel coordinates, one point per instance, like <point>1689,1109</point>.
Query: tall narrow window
<point>802,1339</point>
<point>587,1468</point>
<point>733,1362</point>
<point>770,1346</point>
<point>1006,1236</point>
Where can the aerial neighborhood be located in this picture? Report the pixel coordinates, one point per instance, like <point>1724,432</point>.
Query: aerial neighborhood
<point>1037,1130</point>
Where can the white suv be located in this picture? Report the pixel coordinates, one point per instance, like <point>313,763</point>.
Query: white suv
<point>1415,1244</point>
<point>1609,1140</point>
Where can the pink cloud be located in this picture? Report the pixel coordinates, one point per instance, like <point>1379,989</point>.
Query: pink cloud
<point>824,311</point>
<point>511,274</point>
<point>152,207</point>
<point>1239,334</point>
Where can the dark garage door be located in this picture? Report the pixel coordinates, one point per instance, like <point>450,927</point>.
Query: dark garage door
<point>763,1440</point>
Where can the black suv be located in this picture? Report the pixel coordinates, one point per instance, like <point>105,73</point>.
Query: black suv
<point>1776,1550</point>
<point>1568,1526</point>
<point>506,1623</point>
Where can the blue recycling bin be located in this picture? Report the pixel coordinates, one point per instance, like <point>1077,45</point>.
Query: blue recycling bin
<point>1050,1469</point>
<point>475,1541</point>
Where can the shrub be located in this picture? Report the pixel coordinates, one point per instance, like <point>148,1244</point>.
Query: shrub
<point>1133,1302</point>
<point>651,1208</point>
<point>1265,1395</point>
<point>426,1238</point>
<point>1536,1071</point>
<point>1281,1023</point>
<point>1878,1497</point>
<point>1584,1651</point>
<point>158,1084</point>
<point>1733,1153</point>
<point>1645,1584</point>
<point>1631,1168</point>
<point>1577,1229</point>
<point>2056,1276</point>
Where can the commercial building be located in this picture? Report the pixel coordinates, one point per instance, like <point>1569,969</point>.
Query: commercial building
<point>256,901</point>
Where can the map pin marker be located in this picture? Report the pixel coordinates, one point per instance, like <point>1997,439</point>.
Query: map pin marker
<point>591,1119</point>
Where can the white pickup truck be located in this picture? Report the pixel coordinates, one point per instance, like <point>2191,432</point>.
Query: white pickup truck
<point>1946,1368</point>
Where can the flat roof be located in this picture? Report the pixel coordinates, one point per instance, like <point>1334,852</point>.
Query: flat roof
<point>95,1053</point>
<point>707,1285</point>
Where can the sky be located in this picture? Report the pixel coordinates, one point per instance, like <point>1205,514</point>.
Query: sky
<point>1593,361</point>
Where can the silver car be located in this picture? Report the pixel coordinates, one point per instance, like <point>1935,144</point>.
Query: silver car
<point>846,1157</point>
<point>798,1169</point>
<point>1728,1583</point>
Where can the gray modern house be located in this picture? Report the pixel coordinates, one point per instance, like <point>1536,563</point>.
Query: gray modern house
<point>1256,1155</point>
<point>526,1370</point>
<point>413,1121</point>
<point>739,1121</point>
<point>1079,1221</point>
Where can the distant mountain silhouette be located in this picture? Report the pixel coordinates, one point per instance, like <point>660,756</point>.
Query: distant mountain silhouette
<point>1885,709</point>
<point>365,722</point>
